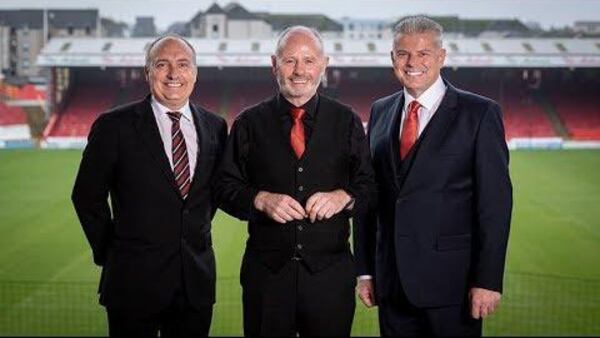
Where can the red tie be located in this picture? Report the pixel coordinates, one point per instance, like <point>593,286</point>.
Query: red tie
<point>297,133</point>
<point>181,165</point>
<point>410,129</point>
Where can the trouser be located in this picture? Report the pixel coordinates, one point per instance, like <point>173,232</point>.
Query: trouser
<point>294,301</point>
<point>179,319</point>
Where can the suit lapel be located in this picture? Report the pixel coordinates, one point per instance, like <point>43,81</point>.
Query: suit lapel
<point>148,130</point>
<point>435,132</point>
<point>393,121</point>
<point>204,139</point>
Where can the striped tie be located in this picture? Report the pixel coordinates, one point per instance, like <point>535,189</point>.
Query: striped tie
<point>181,164</point>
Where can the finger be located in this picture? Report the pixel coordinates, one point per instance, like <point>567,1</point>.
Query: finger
<point>330,213</point>
<point>484,311</point>
<point>282,213</point>
<point>319,208</point>
<point>475,310</point>
<point>310,203</point>
<point>315,210</point>
<point>366,299</point>
<point>299,212</point>
<point>323,211</point>
<point>278,219</point>
<point>293,213</point>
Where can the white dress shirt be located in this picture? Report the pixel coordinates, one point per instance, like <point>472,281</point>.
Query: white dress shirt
<point>186,124</point>
<point>430,101</point>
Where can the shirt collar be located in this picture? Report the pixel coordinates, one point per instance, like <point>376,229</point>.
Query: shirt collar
<point>429,97</point>
<point>310,107</point>
<point>185,110</point>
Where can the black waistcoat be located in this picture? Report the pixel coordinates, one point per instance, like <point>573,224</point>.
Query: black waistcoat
<point>272,166</point>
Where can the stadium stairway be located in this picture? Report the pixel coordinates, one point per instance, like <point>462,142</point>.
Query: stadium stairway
<point>559,128</point>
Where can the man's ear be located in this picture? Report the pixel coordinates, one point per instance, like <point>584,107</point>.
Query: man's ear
<point>274,64</point>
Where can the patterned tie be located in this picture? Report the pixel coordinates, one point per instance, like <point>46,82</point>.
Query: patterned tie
<point>181,165</point>
<point>410,129</point>
<point>297,133</point>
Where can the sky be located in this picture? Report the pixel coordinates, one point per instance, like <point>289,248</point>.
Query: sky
<point>548,13</point>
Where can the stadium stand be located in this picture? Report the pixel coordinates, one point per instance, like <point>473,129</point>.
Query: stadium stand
<point>579,111</point>
<point>11,115</point>
<point>86,103</point>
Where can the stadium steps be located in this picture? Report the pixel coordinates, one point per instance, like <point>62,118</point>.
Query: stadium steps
<point>557,124</point>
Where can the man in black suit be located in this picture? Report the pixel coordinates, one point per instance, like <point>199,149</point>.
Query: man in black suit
<point>156,158</point>
<point>297,167</point>
<point>445,197</point>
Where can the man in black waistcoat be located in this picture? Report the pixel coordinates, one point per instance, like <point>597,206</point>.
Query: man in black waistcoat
<point>445,197</point>
<point>297,167</point>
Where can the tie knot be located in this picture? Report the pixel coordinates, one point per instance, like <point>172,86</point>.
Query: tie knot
<point>413,107</point>
<point>174,116</point>
<point>297,113</point>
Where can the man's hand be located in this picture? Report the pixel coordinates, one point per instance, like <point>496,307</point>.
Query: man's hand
<point>281,208</point>
<point>323,205</point>
<point>483,302</point>
<point>366,292</point>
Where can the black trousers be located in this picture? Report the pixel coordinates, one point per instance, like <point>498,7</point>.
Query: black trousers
<point>399,318</point>
<point>293,301</point>
<point>180,319</point>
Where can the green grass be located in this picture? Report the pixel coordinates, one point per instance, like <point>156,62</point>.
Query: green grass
<point>48,280</point>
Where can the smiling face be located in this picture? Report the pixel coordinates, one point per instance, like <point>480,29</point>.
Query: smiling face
<point>171,72</point>
<point>417,59</point>
<point>299,66</point>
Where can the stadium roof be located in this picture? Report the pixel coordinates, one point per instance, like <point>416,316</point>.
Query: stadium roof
<point>517,53</point>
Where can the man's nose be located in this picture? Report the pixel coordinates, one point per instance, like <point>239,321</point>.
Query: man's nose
<point>299,68</point>
<point>172,72</point>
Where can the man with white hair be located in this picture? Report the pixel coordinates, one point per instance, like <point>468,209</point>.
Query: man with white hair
<point>445,197</point>
<point>297,167</point>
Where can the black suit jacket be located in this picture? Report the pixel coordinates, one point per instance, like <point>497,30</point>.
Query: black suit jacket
<point>150,242</point>
<point>444,212</point>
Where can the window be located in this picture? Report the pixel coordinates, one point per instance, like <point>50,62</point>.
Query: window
<point>561,47</point>
<point>453,46</point>
<point>371,47</point>
<point>215,28</point>
<point>70,30</point>
<point>255,46</point>
<point>222,46</point>
<point>486,46</point>
<point>528,47</point>
<point>65,47</point>
<point>107,46</point>
<point>338,46</point>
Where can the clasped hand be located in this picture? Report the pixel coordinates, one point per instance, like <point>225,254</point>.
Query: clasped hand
<point>283,208</point>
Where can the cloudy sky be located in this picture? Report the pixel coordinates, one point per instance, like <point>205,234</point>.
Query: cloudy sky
<point>548,13</point>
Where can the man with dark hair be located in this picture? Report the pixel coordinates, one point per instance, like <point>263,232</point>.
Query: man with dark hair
<point>156,158</point>
<point>445,197</point>
<point>297,167</point>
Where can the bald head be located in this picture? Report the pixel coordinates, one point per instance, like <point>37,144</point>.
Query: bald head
<point>160,41</point>
<point>296,32</point>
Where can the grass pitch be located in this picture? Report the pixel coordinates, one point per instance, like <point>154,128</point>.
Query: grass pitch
<point>48,281</point>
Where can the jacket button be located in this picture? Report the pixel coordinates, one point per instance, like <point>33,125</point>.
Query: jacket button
<point>300,169</point>
<point>299,227</point>
<point>300,188</point>
<point>186,211</point>
<point>299,246</point>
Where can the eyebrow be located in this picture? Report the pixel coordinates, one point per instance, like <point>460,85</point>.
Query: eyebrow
<point>177,60</point>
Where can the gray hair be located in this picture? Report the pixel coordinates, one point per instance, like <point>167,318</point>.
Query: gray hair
<point>419,24</point>
<point>170,36</point>
<point>283,36</point>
